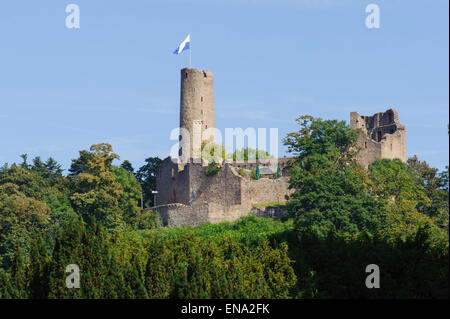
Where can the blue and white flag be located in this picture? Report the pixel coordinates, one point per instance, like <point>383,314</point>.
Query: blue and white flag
<point>185,45</point>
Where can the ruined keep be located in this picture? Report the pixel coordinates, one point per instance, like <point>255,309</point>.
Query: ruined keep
<point>187,196</point>
<point>380,136</point>
<point>196,110</point>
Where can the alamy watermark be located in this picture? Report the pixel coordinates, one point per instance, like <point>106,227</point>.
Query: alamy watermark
<point>373,19</point>
<point>373,280</point>
<point>73,280</point>
<point>73,17</point>
<point>209,146</point>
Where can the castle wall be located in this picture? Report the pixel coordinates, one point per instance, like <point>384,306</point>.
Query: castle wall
<point>380,136</point>
<point>264,190</point>
<point>175,215</point>
<point>180,215</point>
<point>223,188</point>
<point>192,198</point>
<point>172,183</point>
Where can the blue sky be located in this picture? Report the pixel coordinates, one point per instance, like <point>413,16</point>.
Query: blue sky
<point>116,80</point>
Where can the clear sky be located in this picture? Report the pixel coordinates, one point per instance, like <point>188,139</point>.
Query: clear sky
<point>116,80</point>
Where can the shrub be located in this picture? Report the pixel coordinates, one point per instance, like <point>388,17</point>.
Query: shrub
<point>242,172</point>
<point>212,169</point>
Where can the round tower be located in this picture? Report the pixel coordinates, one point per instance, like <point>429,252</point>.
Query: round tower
<point>196,109</point>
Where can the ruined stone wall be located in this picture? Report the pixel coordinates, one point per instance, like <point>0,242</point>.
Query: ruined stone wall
<point>180,215</point>
<point>264,190</point>
<point>192,198</point>
<point>380,136</point>
<point>285,164</point>
<point>172,183</point>
<point>174,215</point>
<point>223,188</point>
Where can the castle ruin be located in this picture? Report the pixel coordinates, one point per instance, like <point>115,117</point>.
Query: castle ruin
<point>187,196</point>
<point>380,136</point>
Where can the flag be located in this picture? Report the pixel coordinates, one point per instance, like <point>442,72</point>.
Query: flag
<point>185,45</point>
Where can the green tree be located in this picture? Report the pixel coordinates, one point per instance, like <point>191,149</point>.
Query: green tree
<point>435,185</point>
<point>126,165</point>
<point>19,280</point>
<point>321,144</point>
<point>131,194</point>
<point>95,191</point>
<point>329,193</point>
<point>408,202</point>
<point>51,171</point>
<point>80,164</point>
<point>333,200</point>
<point>38,270</point>
<point>247,153</point>
<point>146,176</point>
<point>68,249</point>
<point>20,217</point>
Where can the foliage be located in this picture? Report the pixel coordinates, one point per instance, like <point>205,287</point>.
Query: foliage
<point>342,217</point>
<point>20,218</point>
<point>127,266</point>
<point>329,193</point>
<point>321,144</point>
<point>95,191</point>
<point>435,187</point>
<point>333,200</point>
<point>212,169</point>
<point>212,152</point>
<point>146,176</point>
<point>128,201</point>
<point>247,153</point>
<point>333,266</point>
<point>126,165</point>
<point>242,172</point>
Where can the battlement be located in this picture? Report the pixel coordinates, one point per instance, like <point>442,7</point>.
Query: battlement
<point>380,136</point>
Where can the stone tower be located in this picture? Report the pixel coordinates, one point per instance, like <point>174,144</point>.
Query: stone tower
<point>196,110</point>
<point>381,136</point>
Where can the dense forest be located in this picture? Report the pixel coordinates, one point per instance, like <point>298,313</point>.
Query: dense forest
<point>341,217</point>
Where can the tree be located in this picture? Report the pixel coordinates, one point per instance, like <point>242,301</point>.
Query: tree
<point>33,201</point>
<point>391,180</point>
<point>333,200</point>
<point>131,194</point>
<point>19,280</point>
<point>95,191</point>
<point>320,144</point>
<point>409,204</point>
<point>126,165</point>
<point>329,194</point>
<point>247,153</point>
<point>68,249</point>
<point>51,170</point>
<point>146,176</point>
<point>434,184</point>
<point>38,270</point>
<point>80,164</point>
<point>20,217</point>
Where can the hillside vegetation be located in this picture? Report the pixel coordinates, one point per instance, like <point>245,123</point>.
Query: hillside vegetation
<point>341,217</point>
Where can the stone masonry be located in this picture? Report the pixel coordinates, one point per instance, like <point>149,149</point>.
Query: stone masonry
<point>187,196</point>
<point>380,136</point>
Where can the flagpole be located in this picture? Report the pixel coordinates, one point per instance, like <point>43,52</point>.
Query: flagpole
<point>190,51</point>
